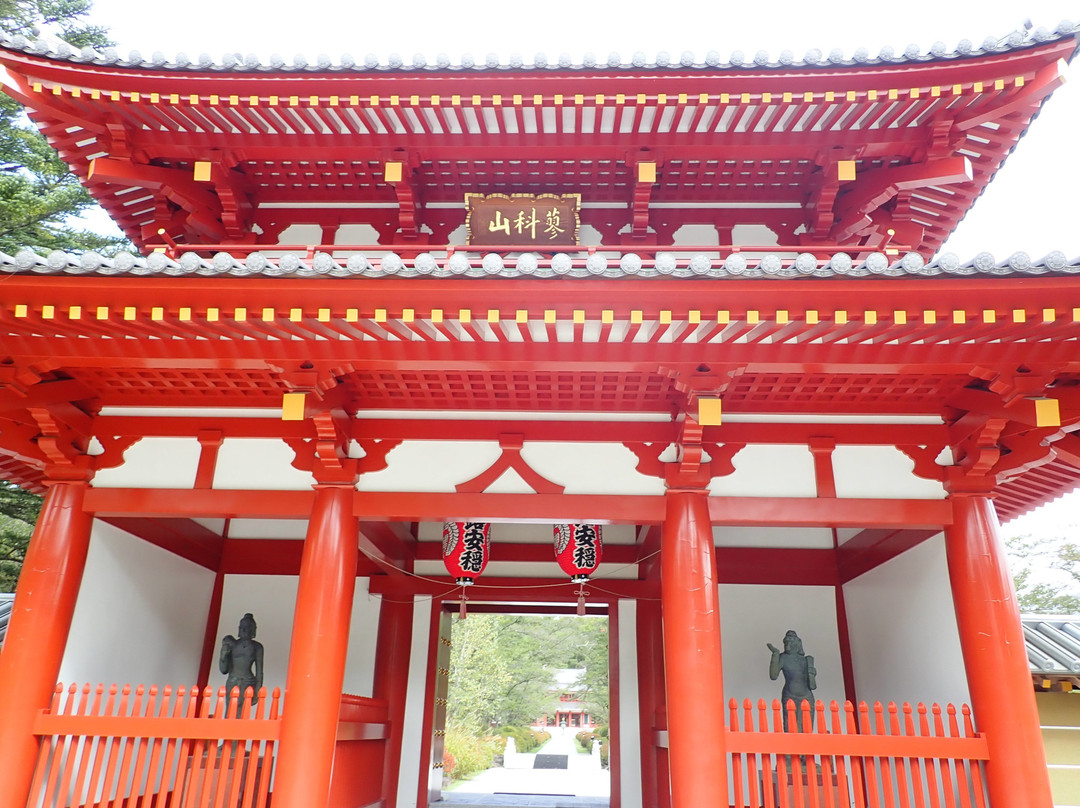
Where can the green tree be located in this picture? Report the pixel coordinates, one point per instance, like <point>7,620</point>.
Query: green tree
<point>38,194</point>
<point>18,512</point>
<point>1028,553</point>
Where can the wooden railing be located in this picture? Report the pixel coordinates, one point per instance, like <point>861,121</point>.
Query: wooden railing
<point>879,757</point>
<point>155,748</point>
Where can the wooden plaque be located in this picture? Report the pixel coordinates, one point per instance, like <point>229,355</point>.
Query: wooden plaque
<point>522,220</point>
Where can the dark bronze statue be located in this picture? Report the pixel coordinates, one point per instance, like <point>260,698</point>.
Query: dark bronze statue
<point>800,677</point>
<point>242,660</point>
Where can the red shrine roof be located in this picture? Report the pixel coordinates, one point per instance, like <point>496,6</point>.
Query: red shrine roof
<point>827,152</point>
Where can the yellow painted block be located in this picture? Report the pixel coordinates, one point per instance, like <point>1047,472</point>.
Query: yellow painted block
<point>435,101</point>
<point>414,100</point>
<point>253,100</point>
<point>1076,315</point>
<point>989,316</point>
<point>646,172</point>
<point>725,98</point>
<point>464,315</point>
<point>273,100</point>
<point>935,92</point>
<point>549,316</point>
<point>1049,315</point>
<point>849,95</point>
<point>213,314</point>
<point>380,315</point>
<point>135,97</point>
<point>914,92</point>
<point>1047,412</point>
<point>977,86</point>
<point>157,313</point>
<point>455,100</point>
<point>95,95</point>
<point>900,317</point>
<point>296,315</point>
<point>408,315</point>
<point>240,314</point>
<point>202,170</point>
<point>693,317</point>
<point>173,99</point>
<point>870,317</point>
<point>745,98</point>
<point>893,94</point>
<point>812,317</point>
<point>294,100</point>
<point>538,100</point>
<point>579,317</point>
<point>723,317</point>
<point>393,171</point>
<point>518,100</point>
<point>661,98</point>
<point>929,317</point>
<point>808,98</point>
<point>637,317</point>
<point>268,315</point>
<point>840,317</point>
<point>21,310</point>
<point>436,315</point>
<point>703,98</point>
<point>521,316</point>
<point>214,100</point>
<point>829,97</point>
<point>682,98</point>
<point>845,170</point>
<point>352,315</point>
<point>665,317</point>
<point>313,100</point>
<point>959,317</point>
<point>999,84</point>
<point>115,95</point>
<point>323,315</point>
<point>36,86</point>
<point>753,317</point>
<point>185,314</point>
<point>766,98</point>
<point>74,312</point>
<point>607,317</point>
<point>1019,81</point>
<point>709,411</point>
<point>234,100</point>
<point>129,313</point>
<point>787,98</point>
<point>374,101</point>
<point>292,406</point>
<point>476,100</point>
<point>493,316</point>
<point>1019,315</point>
<point>871,95</point>
<point>782,316</point>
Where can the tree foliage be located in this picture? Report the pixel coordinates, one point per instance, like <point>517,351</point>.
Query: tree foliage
<point>1030,554</point>
<point>18,512</point>
<point>38,193</point>
<point>502,667</point>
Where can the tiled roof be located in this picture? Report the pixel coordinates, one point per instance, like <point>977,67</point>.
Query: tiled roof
<point>665,264</point>
<point>1053,645</point>
<point>54,48</point>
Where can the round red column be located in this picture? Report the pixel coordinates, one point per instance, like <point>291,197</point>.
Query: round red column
<point>995,659</point>
<point>697,747</point>
<point>391,683</point>
<point>38,631</point>
<point>320,642</point>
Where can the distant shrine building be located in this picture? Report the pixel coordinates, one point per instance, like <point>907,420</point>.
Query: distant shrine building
<point>694,303</point>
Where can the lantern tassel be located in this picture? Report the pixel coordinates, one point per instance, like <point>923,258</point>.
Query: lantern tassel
<point>581,600</point>
<point>462,611</point>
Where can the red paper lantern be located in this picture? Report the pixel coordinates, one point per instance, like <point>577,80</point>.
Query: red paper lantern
<point>578,549</point>
<point>465,549</point>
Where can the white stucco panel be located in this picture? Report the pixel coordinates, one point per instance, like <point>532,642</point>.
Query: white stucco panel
<point>880,472</point>
<point>431,466</point>
<point>154,463</point>
<point>769,470</point>
<point>140,617</point>
<point>259,464</point>
<point>797,537</point>
<point>591,468</point>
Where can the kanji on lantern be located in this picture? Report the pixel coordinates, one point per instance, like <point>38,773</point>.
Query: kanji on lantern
<point>578,549</point>
<point>465,549</point>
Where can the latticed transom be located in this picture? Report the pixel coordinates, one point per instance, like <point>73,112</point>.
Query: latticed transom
<point>818,392</point>
<point>140,386</point>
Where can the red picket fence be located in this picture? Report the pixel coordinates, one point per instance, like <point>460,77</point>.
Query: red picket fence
<point>884,757</point>
<point>155,749</point>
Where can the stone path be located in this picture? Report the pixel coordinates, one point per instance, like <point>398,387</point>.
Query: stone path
<point>580,785</point>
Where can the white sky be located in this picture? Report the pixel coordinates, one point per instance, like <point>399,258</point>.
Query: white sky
<point>1032,205</point>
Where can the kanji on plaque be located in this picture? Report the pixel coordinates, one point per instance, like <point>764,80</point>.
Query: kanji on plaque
<point>465,549</point>
<point>578,549</point>
<point>522,220</point>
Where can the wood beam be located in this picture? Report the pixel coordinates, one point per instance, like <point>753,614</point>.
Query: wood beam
<point>180,536</point>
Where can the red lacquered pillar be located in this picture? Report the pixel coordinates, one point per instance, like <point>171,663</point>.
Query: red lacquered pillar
<point>995,659</point>
<point>391,683</point>
<point>38,631</point>
<point>320,642</point>
<point>697,746</point>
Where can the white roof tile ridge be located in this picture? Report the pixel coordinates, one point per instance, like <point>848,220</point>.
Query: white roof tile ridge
<point>51,46</point>
<point>704,265</point>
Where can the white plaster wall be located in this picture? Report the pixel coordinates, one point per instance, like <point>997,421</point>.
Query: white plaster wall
<point>582,468</point>
<point>154,463</point>
<point>880,471</point>
<point>259,464</point>
<point>696,235</point>
<point>272,601</point>
<point>751,616</point>
<point>788,537</point>
<point>769,470</point>
<point>356,234</point>
<point>140,617</point>
<point>413,723</point>
<point>267,528</point>
<point>904,642</point>
<point>629,708</point>
<point>301,234</point>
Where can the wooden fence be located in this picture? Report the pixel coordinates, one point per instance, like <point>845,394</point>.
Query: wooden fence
<point>879,757</point>
<point>155,748</point>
